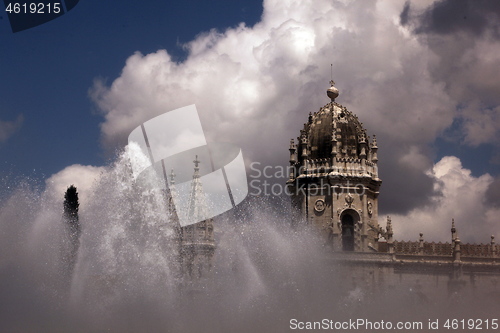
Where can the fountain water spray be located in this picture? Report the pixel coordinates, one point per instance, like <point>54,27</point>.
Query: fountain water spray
<point>127,279</point>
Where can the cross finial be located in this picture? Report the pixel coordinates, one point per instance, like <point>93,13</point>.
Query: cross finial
<point>196,162</point>
<point>332,83</point>
<point>331,74</point>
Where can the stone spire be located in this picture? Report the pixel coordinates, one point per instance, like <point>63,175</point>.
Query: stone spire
<point>197,208</point>
<point>293,157</point>
<point>173,190</point>
<point>453,231</point>
<point>172,177</point>
<point>493,247</point>
<point>421,244</point>
<point>173,194</point>
<point>389,235</point>
<point>197,239</point>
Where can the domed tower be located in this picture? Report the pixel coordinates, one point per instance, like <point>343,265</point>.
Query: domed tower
<point>334,180</point>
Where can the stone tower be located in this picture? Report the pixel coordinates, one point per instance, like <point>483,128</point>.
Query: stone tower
<point>333,180</point>
<point>197,245</point>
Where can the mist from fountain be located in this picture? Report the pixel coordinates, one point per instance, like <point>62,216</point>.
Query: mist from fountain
<point>127,278</point>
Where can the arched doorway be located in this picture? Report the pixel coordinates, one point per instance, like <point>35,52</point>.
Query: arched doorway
<point>347,232</point>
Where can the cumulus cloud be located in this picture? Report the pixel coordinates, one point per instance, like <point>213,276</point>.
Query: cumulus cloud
<point>254,86</point>
<point>459,195</point>
<point>493,193</point>
<point>464,36</point>
<point>482,127</point>
<point>8,128</point>
<point>452,16</point>
<point>82,177</point>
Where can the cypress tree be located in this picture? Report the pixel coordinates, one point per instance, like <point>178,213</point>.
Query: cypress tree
<point>71,210</point>
<point>72,226</point>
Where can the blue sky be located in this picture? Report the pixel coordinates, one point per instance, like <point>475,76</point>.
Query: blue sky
<point>46,71</point>
<point>422,75</point>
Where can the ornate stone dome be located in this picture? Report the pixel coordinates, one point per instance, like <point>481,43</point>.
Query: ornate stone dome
<point>334,131</point>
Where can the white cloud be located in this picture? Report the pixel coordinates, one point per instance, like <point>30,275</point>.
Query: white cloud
<point>465,56</point>
<point>461,196</point>
<point>415,159</point>
<point>254,86</point>
<point>247,81</point>
<point>8,128</point>
<point>83,177</point>
<point>482,124</point>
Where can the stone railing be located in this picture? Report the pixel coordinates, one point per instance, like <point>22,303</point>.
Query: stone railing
<point>318,166</point>
<point>438,249</point>
<point>444,249</point>
<point>406,247</point>
<point>478,250</point>
<point>343,166</point>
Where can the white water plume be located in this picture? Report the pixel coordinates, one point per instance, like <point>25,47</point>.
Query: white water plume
<point>127,278</point>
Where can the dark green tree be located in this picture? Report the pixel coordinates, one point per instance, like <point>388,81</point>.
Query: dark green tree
<point>71,209</point>
<point>72,226</point>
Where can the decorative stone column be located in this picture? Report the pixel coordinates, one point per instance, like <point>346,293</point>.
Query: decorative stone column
<point>456,250</point>
<point>421,244</point>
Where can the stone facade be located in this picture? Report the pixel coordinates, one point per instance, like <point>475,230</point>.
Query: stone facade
<point>196,241</point>
<point>334,187</point>
<point>334,178</point>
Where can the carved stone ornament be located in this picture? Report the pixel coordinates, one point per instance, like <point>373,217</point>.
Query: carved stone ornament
<point>370,208</point>
<point>319,205</point>
<point>349,199</point>
<point>339,211</point>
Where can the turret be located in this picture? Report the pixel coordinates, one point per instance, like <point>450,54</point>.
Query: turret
<point>421,244</point>
<point>493,247</point>
<point>390,234</point>
<point>335,153</point>
<point>456,250</point>
<point>453,231</point>
<point>374,149</point>
<point>362,146</point>
<point>293,157</point>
